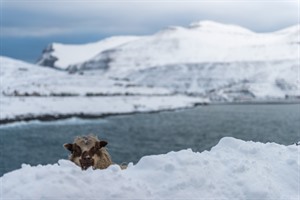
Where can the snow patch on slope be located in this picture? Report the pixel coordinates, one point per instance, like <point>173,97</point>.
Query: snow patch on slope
<point>212,26</point>
<point>230,81</point>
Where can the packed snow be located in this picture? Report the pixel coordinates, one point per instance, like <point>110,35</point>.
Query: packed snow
<point>233,169</point>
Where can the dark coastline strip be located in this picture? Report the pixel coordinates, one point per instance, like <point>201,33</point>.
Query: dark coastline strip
<point>25,95</point>
<point>49,117</point>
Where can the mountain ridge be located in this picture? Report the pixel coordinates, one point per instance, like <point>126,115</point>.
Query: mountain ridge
<point>224,62</point>
<point>198,35</point>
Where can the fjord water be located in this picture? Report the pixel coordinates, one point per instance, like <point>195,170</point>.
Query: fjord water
<point>132,136</point>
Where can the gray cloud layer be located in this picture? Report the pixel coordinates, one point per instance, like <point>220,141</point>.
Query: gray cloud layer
<point>42,18</point>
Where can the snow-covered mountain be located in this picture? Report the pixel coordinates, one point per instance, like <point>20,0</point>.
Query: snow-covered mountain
<point>203,42</point>
<point>61,56</point>
<point>223,62</point>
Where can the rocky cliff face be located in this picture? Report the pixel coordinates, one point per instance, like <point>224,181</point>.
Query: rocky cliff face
<point>47,59</point>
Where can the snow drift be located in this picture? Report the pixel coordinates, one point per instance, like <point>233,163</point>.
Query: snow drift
<point>233,169</point>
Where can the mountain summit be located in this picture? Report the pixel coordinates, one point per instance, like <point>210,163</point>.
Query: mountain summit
<point>215,26</point>
<point>203,41</point>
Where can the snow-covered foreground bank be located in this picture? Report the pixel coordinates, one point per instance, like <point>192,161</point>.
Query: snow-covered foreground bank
<point>233,169</point>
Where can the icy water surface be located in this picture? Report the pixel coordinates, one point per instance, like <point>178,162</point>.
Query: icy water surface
<point>132,136</point>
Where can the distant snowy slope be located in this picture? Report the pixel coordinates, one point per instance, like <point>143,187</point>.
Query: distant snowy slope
<point>19,78</point>
<point>63,55</point>
<point>224,81</point>
<point>223,62</point>
<point>29,91</point>
<point>291,34</point>
<point>15,74</point>
<point>233,169</point>
<point>201,42</point>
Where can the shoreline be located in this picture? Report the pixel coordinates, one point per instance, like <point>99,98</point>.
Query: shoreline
<point>262,102</point>
<point>57,117</point>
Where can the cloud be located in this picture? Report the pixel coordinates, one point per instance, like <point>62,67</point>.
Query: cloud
<point>32,32</point>
<point>42,18</point>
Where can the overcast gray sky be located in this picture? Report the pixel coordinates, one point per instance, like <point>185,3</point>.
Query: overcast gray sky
<point>35,23</point>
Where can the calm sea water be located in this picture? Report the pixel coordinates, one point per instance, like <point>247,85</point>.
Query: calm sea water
<point>132,136</point>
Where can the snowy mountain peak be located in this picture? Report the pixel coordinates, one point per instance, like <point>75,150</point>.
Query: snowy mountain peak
<point>207,25</point>
<point>172,29</point>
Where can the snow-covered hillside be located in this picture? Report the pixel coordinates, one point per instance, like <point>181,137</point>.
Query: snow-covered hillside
<point>219,61</point>
<point>237,81</point>
<point>32,92</point>
<point>233,169</point>
<point>19,78</point>
<point>203,42</point>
